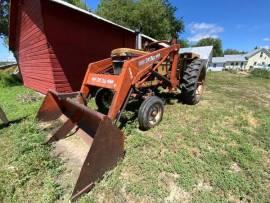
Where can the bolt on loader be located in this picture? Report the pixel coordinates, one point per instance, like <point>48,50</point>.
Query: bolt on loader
<point>127,75</point>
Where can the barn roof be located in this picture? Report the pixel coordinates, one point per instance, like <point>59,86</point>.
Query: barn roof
<point>64,3</point>
<point>13,9</point>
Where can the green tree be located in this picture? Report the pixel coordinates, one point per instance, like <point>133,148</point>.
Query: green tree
<point>155,17</point>
<point>233,51</point>
<point>184,43</point>
<point>216,43</point>
<point>78,3</point>
<point>4,7</point>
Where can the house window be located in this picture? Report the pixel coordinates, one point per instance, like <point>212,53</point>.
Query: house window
<point>215,65</point>
<point>255,63</point>
<point>242,64</point>
<point>261,54</point>
<point>269,65</point>
<point>236,63</point>
<point>232,64</point>
<point>263,63</point>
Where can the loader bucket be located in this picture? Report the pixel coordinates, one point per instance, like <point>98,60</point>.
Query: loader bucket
<point>106,141</point>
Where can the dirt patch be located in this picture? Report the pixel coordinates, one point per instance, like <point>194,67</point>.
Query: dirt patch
<point>251,120</point>
<point>203,186</point>
<point>194,151</point>
<point>176,194</point>
<point>235,168</point>
<point>28,98</point>
<point>234,199</point>
<point>72,151</point>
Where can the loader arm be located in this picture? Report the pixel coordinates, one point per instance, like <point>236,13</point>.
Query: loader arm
<point>95,68</point>
<point>105,140</point>
<point>133,71</point>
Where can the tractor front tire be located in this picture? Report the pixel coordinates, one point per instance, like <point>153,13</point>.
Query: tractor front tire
<point>150,112</point>
<point>193,82</point>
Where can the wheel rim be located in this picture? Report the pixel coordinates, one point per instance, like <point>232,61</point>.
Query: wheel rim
<point>200,85</point>
<point>199,90</point>
<point>155,114</point>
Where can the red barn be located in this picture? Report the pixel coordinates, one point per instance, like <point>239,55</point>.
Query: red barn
<point>54,42</point>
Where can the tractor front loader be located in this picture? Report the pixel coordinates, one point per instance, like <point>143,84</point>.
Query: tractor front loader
<point>127,75</point>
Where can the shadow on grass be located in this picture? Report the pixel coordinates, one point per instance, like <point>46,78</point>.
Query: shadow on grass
<point>2,125</point>
<point>135,105</point>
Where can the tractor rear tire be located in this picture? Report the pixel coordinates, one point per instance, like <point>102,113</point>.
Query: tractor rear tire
<point>150,112</point>
<point>193,82</point>
<point>103,100</point>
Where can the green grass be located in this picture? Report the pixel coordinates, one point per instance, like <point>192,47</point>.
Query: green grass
<point>27,170</point>
<point>261,73</point>
<point>216,151</point>
<point>6,80</point>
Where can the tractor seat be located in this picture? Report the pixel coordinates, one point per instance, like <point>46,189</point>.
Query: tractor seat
<point>127,52</point>
<point>119,56</point>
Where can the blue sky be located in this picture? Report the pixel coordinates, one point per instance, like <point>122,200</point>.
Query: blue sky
<point>241,24</point>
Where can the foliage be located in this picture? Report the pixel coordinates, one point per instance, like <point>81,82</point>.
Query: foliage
<point>155,17</point>
<point>8,80</point>
<point>78,3</point>
<point>4,7</point>
<point>260,73</point>
<point>184,43</point>
<point>233,51</point>
<point>216,43</point>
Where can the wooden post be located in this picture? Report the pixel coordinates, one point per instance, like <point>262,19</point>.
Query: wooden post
<point>3,116</point>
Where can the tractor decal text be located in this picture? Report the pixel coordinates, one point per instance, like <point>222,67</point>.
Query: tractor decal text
<point>102,80</point>
<point>149,59</point>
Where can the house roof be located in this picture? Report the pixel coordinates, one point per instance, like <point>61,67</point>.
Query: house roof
<point>218,60</point>
<point>255,51</point>
<point>238,57</point>
<point>229,58</point>
<point>204,52</point>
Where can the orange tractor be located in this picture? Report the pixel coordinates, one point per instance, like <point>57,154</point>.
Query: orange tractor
<point>126,76</point>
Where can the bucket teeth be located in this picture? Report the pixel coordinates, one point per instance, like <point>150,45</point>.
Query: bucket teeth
<point>106,142</point>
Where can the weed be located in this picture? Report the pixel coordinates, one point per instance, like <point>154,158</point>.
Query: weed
<point>260,73</point>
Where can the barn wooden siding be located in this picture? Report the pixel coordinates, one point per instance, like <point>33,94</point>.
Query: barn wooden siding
<point>54,43</point>
<point>33,53</point>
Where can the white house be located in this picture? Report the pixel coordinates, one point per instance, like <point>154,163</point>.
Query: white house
<point>217,64</point>
<point>258,58</point>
